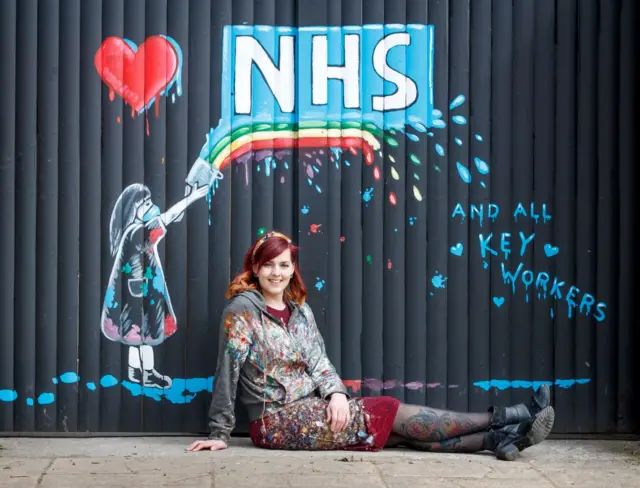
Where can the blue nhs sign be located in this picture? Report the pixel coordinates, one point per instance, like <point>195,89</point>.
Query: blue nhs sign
<point>377,73</point>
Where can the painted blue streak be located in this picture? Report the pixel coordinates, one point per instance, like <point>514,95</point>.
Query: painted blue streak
<point>184,390</point>
<point>505,384</point>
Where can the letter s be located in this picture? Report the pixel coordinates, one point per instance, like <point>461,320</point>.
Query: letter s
<point>600,315</point>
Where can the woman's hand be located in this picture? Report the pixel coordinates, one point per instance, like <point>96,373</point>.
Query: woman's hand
<point>338,412</point>
<point>213,445</point>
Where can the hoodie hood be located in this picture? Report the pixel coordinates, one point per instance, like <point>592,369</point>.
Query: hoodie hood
<point>254,297</point>
<point>256,300</point>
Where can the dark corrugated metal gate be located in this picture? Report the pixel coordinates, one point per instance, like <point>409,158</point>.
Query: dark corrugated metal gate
<point>463,239</point>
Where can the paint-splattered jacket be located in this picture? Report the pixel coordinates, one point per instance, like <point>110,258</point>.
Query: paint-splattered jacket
<point>268,364</point>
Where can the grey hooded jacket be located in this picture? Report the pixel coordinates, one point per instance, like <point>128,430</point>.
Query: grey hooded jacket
<point>270,365</point>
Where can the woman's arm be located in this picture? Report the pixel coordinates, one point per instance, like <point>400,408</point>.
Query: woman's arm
<point>320,368</point>
<point>235,342</point>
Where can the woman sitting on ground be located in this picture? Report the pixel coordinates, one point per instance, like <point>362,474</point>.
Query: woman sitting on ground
<point>271,348</point>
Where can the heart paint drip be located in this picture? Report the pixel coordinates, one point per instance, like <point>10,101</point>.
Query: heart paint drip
<point>140,74</point>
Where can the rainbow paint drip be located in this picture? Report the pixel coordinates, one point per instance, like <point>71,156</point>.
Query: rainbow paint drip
<point>272,139</point>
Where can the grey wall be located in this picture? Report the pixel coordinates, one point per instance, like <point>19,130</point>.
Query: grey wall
<point>407,256</point>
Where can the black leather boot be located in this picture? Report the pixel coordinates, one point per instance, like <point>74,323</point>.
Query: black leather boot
<point>503,416</point>
<point>508,441</point>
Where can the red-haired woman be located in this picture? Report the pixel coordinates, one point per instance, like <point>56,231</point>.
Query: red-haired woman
<point>271,348</point>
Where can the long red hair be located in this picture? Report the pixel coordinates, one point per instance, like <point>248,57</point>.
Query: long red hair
<point>263,250</point>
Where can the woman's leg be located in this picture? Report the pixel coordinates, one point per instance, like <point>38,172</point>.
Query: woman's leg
<point>461,444</point>
<point>427,424</point>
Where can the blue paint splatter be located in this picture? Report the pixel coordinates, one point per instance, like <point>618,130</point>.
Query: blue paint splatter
<point>457,101</point>
<point>479,137</point>
<point>463,172</point>
<point>29,402</point>
<point>304,210</point>
<point>437,114</point>
<point>482,184</point>
<point>458,141</point>
<point>182,390</point>
<point>319,283</point>
<point>439,149</point>
<point>412,220</point>
<point>438,281</point>
<point>54,381</point>
<point>458,119</point>
<point>439,124</point>
<point>504,384</point>
<point>367,195</point>
<point>108,380</point>
<point>8,395</point>
<point>413,137</point>
<point>69,377</point>
<point>91,386</point>
<point>46,398</point>
<point>482,166</point>
<point>109,296</point>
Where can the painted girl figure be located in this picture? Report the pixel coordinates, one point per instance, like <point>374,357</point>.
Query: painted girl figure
<point>137,308</point>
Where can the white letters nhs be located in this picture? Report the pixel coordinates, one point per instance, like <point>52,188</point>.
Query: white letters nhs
<point>377,73</point>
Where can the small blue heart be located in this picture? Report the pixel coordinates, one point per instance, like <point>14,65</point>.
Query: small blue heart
<point>550,250</point>
<point>498,301</point>
<point>457,249</point>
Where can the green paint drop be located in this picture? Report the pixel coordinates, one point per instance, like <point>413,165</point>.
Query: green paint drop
<point>148,273</point>
<point>391,141</point>
<point>436,167</point>
<point>414,159</point>
<point>261,231</point>
<point>126,268</point>
<point>369,260</point>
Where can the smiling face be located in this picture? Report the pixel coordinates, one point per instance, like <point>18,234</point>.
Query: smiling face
<point>274,276</point>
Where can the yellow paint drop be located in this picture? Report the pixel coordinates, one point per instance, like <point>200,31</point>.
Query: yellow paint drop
<point>391,158</point>
<point>416,193</point>
<point>394,174</point>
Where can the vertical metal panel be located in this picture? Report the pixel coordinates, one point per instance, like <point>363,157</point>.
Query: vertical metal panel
<point>565,188</point>
<point>586,206</point>
<point>627,334</point>
<point>69,218</point>
<point>437,221</point>
<point>26,202</point>
<point>8,210</point>
<point>90,286</point>
<point>111,353</point>
<point>403,255</point>
<point>480,123</point>
<point>353,286</point>
<point>458,266</point>
<point>176,166</point>
<point>501,157</point>
<point>415,259</point>
<point>372,243</point>
<point>544,164</point>
<point>197,216</point>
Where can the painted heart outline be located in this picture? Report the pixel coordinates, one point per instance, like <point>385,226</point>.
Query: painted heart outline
<point>139,74</point>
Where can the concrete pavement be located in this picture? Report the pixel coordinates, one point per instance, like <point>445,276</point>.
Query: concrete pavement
<point>162,461</point>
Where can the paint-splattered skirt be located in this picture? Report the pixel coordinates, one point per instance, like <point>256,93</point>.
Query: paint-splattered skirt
<point>302,425</point>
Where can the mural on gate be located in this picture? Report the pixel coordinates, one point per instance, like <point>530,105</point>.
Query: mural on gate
<point>362,92</point>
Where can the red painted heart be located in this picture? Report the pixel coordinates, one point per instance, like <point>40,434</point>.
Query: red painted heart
<point>137,76</point>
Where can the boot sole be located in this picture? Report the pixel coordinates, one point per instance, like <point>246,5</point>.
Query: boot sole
<point>539,431</point>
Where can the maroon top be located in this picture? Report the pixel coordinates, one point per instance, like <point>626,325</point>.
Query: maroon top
<point>283,315</point>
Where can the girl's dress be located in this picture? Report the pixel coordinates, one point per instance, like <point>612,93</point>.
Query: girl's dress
<point>137,310</point>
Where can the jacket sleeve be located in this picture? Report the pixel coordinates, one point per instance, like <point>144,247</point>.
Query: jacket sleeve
<point>320,368</point>
<point>235,343</point>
